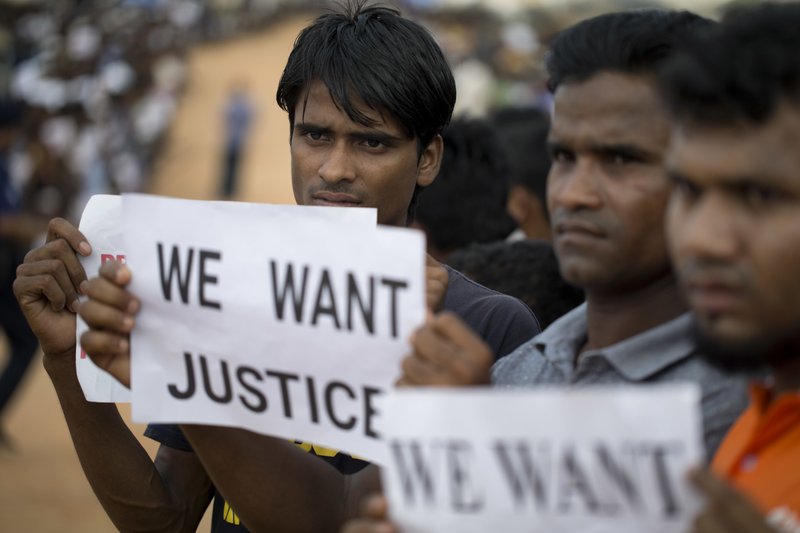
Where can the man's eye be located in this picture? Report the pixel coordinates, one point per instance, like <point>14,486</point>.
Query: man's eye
<point>687,189</point>
<point>757,197</point>
<point>561,156</point>
<point>314,135</point>
<point>621,159</point>
<point>373,143</point>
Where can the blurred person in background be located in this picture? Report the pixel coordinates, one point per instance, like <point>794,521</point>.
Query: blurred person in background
<point>238,115</point>
<point>467,202</point>
<point>18,230</point>
<point>525,269</point>
<point>523,135</point>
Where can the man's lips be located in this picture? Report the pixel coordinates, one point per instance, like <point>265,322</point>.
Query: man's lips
<point>708,296</point>
<point>577,229</point>
<point>335,198</point>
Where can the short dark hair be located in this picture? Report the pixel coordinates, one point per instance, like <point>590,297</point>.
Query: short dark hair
<point>391,63</point>
<point>467,202</point>
<point>527,270</point>
<point>633,42</point>
<point>739,70</point>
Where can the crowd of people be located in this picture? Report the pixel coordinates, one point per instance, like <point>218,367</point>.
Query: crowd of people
<point>671,203</point>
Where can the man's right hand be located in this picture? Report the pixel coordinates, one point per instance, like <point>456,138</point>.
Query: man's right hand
<point>109,312</point>
<point>48,283</point>
<point>446,352</point>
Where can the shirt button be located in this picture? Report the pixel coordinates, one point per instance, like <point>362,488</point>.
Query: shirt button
<point>749,462</point>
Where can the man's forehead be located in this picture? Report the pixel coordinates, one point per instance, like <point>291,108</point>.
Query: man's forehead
<point>611,107</point>
<point>768,151</point>
<point>320,107</point>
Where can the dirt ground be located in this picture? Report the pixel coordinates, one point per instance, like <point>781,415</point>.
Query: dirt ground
<point>42,487</point>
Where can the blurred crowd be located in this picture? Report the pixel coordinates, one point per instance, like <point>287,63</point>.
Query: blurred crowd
<point>89,88</point>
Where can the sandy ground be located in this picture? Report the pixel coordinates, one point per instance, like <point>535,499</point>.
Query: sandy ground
<point>42,487</point>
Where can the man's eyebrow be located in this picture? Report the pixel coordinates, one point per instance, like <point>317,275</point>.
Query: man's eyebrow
<point>629,150</point>
<point>555,145</point>
<point>309,126</point>
<point>375,135</point>
<point>362,135</point>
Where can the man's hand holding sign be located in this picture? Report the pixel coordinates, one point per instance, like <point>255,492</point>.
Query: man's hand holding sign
<point>729,511</point>
<point>445,352</point>
<point>110,313</point>
<point>48,284</point>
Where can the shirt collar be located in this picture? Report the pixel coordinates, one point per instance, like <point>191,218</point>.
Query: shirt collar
<point>763,398</point>
<point>636,358</point>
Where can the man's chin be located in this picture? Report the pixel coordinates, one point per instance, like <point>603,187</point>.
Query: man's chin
<point>746,354</point>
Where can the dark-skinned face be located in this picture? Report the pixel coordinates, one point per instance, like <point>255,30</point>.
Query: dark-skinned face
<point>607,188</point>
<point>339,162</point>
<point>734,233</point>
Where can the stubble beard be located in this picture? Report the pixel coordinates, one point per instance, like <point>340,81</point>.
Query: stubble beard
<point>754,354</point>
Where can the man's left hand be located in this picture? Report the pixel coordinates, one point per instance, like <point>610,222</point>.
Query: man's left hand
<point>727,510</point>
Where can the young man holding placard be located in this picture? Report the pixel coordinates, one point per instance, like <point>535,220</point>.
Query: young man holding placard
<point>368,94</point>
<point>734,227</point>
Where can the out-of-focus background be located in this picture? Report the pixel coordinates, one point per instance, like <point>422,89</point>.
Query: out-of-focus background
<point>177,97</point>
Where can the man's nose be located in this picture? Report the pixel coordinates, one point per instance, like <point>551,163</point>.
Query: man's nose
<point>338,164</point>
<point>575,188</point>
<point>705,230</point>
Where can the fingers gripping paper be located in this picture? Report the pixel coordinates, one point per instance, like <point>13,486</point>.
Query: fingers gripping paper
<point>548,460</point>
<point>275,323</point>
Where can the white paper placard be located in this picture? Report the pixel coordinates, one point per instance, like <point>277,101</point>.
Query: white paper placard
<point>269,321</point>
<point>101,224</point>
<point>551,460</point>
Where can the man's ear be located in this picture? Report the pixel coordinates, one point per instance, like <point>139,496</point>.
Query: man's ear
<point>518,203</point>
<point>430,161</point>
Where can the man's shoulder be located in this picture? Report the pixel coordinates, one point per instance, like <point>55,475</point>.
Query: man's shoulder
<point>502,321</point>
<point>529,365</point>
<point>518,367</point>
<point>467,296</point>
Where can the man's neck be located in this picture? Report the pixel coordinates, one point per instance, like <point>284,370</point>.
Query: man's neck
<point>612,318</point>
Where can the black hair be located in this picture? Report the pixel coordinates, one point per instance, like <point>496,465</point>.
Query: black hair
<point>392,64</point>
<point>634,42</point>
<point>467,201</point>
<point>523,136</point>
<point>527,270</point>
<point>739,70</point>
